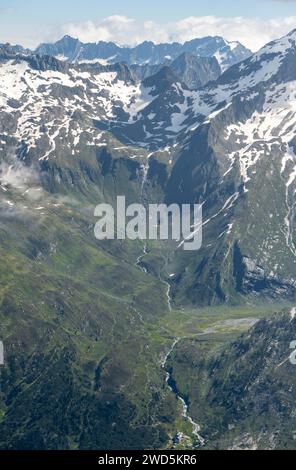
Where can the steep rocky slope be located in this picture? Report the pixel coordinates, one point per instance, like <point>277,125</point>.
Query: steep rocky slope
<point>85,330</point>
<point>191,70</point>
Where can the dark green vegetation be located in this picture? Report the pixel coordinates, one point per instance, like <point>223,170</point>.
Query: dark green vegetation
<point>89,337</point>
<point>79,372</point>
<point>85,331</point>
<point>241,390</point>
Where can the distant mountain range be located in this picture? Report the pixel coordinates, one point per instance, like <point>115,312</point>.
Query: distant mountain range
<point>218,144</point>
<point>147,53</point>
<point>93,329</point>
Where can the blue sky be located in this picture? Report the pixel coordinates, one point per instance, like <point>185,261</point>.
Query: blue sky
<point>59,11</point>
<point>253,21</point>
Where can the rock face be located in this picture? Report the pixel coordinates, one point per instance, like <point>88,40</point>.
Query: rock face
<point>252,278</point>
<point>228,145</point>
<point>68,48</point>
<point>194,71</point>
<point>84,329</point>
<point>191,70</point>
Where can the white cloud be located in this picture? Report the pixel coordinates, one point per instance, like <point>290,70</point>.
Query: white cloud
<point>252,32</point>
<point>14,173</point>
<point>119,29</point>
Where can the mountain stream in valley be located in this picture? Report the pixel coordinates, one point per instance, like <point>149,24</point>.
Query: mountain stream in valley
<point>169,379</point>
<point>185,410</point>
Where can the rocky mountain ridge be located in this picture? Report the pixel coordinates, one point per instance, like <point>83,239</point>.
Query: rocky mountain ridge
<point>73,50</point>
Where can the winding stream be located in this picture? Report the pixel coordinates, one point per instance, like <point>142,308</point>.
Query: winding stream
<point>145,169</point>
<point>168,293</point>
<point>138,263</point>
<point>185,412</point>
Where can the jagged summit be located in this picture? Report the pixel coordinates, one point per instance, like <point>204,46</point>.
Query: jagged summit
<point>73,50</point>
<point>223,142</point>
<point>106,342</point>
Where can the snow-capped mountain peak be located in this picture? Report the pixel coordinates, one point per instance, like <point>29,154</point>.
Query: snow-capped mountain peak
<point>68,48</point>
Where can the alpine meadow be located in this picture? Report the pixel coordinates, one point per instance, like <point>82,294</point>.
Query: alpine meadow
<point>140,342</point>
